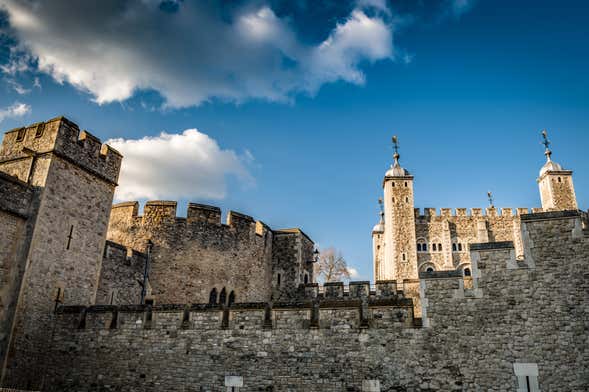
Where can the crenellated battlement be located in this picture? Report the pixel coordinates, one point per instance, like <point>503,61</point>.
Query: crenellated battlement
<point>429,213</point>
<point>64,138</point>
<point>161,214</point>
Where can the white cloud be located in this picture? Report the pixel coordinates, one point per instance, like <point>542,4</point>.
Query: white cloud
<point>17,109</point>
<point>354,274</point>
<point>16,86</point>
<point>171,166</point>
<point>113,49</point>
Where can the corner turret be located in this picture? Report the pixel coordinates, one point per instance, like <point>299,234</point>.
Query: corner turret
<point>557,191</point>
<point>400,252</point>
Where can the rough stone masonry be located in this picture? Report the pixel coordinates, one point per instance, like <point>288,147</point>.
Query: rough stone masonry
<point>489,302</point>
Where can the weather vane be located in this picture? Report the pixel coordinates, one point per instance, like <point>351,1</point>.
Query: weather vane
<point>546,144</point>
<point>490,196</point>
<point>396,144</point>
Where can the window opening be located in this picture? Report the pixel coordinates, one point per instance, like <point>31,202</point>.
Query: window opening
<point>223,297</point>
<point>213,296</point>
<point>69,237</point>
<point>20,135</point>
<point>40,130</point>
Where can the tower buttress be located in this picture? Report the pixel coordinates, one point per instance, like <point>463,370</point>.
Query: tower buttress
<point>400,253</point>
<point>557,191</point>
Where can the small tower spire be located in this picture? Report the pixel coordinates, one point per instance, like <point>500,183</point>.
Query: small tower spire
<point>381,210</point>
<point>546,144</point>
<point>490,196</point>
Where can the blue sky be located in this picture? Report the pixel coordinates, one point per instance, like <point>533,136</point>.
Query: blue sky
<point>299,100</point>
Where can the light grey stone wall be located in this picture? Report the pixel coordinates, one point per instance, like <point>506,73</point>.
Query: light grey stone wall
<point>534,310</point>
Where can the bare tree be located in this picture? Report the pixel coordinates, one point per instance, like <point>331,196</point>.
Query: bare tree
<point>332,266</point>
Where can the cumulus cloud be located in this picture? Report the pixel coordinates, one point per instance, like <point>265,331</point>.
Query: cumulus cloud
<point>169,166</point>
<point>192,52</point>
<point>17,109</point>
<point>354,274</point>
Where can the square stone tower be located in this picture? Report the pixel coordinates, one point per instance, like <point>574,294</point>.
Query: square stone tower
<point>73,177</point>
<point>400,249</point>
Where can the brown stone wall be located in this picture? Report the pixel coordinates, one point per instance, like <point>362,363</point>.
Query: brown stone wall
<point>193,255</point>
<point>531,311</point>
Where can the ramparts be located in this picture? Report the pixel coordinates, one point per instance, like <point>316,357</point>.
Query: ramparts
<point>63,138</point>
<point>191,256</point>
<point>518,314</point>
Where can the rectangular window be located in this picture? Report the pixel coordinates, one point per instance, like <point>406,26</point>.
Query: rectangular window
<point>40,130</point>
<point>69,237</point>
<point>20,135</point>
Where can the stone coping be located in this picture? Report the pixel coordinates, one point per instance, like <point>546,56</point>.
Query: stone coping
<point>550,215</point>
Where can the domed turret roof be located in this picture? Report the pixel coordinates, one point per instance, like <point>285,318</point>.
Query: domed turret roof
<point>396,170</point>
<point>550,165</point>
<point>379,227</point>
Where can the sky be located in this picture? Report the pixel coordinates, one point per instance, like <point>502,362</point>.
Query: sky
<point>284,110</point>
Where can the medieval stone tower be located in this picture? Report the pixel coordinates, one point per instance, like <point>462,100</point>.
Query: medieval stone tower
<point>69,178</point>
<point>556,184</point>
<point>399,259</point>
<point>406,242</point>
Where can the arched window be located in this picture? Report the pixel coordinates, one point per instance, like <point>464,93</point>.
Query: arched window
<point>403,256</point>
<point>393,184</point>
<point>424,247</point>
<point>406,200</point>
<point>467,272</point>
<point>231,298</point>
<point>306,278</point>
<point>434,247</point>
<point>460,247</point>
<point>418,247</point>
<point>278,280</point>
<point>213,296</point>
<point>223,297</point>
<point>439,247</point>
<point>559,179</point>
<point>454,247</point>
<point>405,184</point>
<point>429,269</point>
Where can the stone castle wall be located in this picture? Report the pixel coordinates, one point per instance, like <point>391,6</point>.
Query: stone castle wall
<point>532,311</point>
<point>16,208</point>
<point>122,270</point>
<point>193,255</point>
